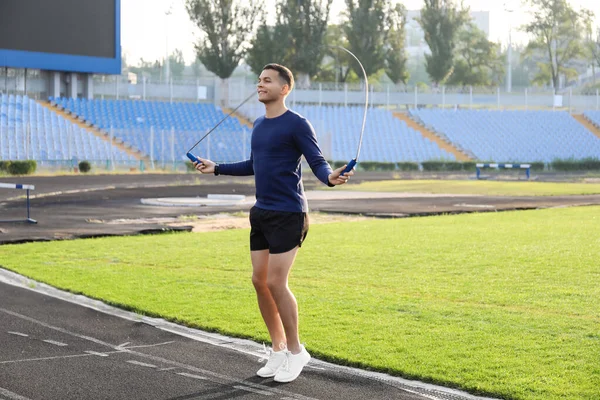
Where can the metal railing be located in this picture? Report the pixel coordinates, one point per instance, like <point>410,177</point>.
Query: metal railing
<point>230,92</point>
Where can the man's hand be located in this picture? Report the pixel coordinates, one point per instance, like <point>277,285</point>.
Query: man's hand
<point>205,166</point>
<point>337,178</point>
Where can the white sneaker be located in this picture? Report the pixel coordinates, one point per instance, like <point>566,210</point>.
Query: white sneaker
<point>276,361</point>
<point>293,366</point>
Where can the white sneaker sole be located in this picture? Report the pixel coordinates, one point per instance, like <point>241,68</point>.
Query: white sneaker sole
<point>266,375</point>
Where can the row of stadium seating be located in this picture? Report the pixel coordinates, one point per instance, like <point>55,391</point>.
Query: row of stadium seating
<point>29,130</point>
<point>165,130</point>
<point>386,138</point>
<point>126,114</point>
<point>513,136</point>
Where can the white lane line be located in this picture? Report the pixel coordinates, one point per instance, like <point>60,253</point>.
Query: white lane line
<point>44,358</point>
<point>18,334</point>
<point>251,390</point>
<point>219,378</point>
<point>55,342</point>
<point>124,344</point>
<point>213,376</point>
<point>56,328</point>
<point>141,364</point>
<point>167,369</point>
<point>11,396</point>
<point>145,345</point>
<point>474,205</point>
<point>192,376</point>
<point>95,353</point>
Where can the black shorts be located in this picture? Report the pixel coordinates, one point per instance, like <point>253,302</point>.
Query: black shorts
<point>277,231</point>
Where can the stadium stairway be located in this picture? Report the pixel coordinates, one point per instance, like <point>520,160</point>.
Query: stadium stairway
<point>243,120</point>
<point>443,144</point>
<point>589,125</point>
<point>96,132</point>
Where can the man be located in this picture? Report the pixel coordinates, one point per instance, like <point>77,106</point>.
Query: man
<point>279,221</point>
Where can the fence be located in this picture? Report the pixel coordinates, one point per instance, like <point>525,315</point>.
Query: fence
<point>231,91</point>
<point>403,98</point>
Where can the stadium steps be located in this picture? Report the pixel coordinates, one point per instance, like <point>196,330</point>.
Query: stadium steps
<point>96,132</point>
<point>444,145</point>
<point>589,125</point>
<point>243,120</point>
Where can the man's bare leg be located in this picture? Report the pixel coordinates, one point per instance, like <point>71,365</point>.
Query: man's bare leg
<point>277,281</point>
<point>266,304</point>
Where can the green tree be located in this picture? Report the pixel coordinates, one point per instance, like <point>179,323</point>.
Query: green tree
<point>478,61</point>
<point>523,67</point>
<point>441,20</point>
<point>395,54</point>
<point>337,64</point>
<point>556,32</point>
<point>176,64</point>
<point>197,68</point>
<point>366,31</point>
<point>374,30</point>
<point>592,47</point>
<point>149,69</point>
<point>303,24</point>
<point>227,26</point>
<point>270,44</point>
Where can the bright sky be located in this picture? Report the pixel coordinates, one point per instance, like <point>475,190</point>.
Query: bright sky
<point>145,27</point>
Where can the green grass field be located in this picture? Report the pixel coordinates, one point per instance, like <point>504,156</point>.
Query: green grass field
<point>490,188</point>
<point>500,304</point>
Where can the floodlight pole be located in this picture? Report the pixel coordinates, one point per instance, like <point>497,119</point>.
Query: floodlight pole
<point>509,53</point>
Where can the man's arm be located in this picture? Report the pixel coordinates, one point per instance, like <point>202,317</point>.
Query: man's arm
<point>306,140</point>
<point>242,168</point>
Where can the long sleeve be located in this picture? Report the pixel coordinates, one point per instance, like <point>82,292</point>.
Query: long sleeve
<point>306,139</point>
<point>242,168</point>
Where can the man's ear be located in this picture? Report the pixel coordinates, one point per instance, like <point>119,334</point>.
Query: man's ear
<point>285,89</point>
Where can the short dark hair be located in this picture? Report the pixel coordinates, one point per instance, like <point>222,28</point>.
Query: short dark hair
<point>284,73</point>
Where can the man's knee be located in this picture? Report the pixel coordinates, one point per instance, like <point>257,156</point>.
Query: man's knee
<point>259,282</point>
<point>276,283</point>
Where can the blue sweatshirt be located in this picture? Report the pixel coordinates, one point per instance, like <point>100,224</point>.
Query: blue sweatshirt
<point>276,150</point>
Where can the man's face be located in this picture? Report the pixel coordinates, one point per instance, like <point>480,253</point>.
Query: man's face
<point>270,87</point>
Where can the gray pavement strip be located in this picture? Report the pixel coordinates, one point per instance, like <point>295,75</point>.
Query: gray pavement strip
<point>7,394</point>
<point>210,375</point>
<point>430,391</point>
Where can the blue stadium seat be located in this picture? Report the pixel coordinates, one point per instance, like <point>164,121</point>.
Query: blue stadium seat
<point>386,138</point>
<point>166,131</point>
<point>513,136</point>
<point>29,130</point>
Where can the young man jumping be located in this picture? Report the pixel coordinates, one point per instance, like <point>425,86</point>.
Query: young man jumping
<point>279,220</point>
